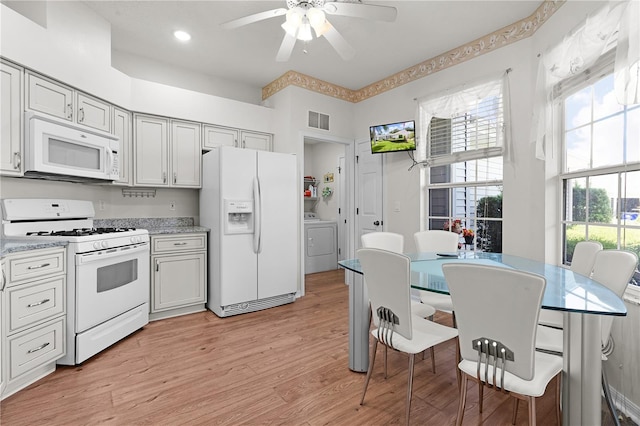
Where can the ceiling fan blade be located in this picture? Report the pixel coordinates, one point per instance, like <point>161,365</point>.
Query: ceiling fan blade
<point>284,53</point>
<point>250,19</point>
<point>361,10</point>
<point>338,42</point>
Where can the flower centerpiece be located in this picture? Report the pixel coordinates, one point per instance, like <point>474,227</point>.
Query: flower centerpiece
<point>468,235</point>
<point>453,226</point>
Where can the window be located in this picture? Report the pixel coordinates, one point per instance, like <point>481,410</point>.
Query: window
<point>601,164</point>
<point>464,158</point>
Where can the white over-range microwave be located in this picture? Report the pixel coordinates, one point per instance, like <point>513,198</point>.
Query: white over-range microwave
<point>57,149</point>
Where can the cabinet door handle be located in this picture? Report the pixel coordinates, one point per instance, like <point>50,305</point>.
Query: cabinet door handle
<point>17,160</point>
<point>81,115</point>
<point>180,244</point>
<point>244,143</point>
<point>4,280</point>
<point>70,113</point>
<point>44,265</point>
<point>164,177</point>
<point>235,143</point>
<point>157,265</point>
<point>42,302</point>
<point>175,178</point>
<point>44,345</point>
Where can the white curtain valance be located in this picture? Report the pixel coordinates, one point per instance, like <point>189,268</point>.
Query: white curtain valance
<point>456,102</point>
<point>614,25</point>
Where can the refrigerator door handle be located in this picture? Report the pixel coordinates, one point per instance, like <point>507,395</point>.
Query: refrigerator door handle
<point>257,214</point>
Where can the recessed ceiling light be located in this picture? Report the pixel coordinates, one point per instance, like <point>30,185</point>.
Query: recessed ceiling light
<point>182,35</point>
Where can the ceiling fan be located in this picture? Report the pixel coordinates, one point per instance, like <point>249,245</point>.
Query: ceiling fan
<point>303,15</point>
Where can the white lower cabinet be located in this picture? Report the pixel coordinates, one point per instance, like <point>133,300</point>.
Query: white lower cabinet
<point>178,274</point>
<point>33,312</point>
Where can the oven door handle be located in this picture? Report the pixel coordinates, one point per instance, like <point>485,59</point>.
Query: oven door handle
<point>97,256</point>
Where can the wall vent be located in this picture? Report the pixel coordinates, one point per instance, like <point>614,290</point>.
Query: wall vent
<point>318,120</point>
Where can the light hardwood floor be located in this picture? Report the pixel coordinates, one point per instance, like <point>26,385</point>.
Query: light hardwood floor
<point>285,365</point>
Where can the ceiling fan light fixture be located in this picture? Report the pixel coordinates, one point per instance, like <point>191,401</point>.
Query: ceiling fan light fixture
<point>294,17</point>
<point>322,28</point>
<point>304,31</point>
<point>316,17</point>
<point>291,29</point>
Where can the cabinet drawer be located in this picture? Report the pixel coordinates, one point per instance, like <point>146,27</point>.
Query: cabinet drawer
<point>30,265</point>
<point>36,347</point>
<point>33,303</point>
<point>179,242</point>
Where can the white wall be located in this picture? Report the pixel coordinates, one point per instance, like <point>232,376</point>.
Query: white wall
<point>158,72</point>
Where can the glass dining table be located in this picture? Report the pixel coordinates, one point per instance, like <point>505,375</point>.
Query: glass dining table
<point>582,300</point>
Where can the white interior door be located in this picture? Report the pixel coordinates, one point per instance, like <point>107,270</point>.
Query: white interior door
<point>342,209</point>
<point>369,189</point>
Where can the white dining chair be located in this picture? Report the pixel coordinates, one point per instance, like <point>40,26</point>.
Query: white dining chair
<point>584,255</point>
<point>613,269</point>
<point>394,242</point>
<point>497,312</point>
<point>388,278</point>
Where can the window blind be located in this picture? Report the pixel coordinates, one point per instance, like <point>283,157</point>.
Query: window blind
<point>466,124</point>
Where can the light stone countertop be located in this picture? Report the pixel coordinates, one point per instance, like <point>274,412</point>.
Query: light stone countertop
<point>155,226</point>
<point>8,245</point>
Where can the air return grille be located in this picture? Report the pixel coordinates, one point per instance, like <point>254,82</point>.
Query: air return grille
<point>318,120</point>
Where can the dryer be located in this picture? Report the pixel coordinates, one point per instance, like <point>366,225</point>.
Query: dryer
<point>321,244</point>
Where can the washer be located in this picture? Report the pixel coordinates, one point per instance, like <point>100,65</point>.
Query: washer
<point>321,244</point>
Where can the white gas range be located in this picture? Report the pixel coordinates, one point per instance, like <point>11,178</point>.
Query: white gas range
<point>107,270</point>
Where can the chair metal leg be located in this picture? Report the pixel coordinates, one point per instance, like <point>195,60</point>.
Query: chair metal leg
<point>384,358</point>
<point>372,360</point>
<point>458,359</point>
<point>412,358</point>
<point>558,413</point>
<point>532,410</point>
<point>463,399</point>
<point>607,396</point>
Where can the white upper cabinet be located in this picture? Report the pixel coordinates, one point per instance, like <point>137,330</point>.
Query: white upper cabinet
<point>49,97</point>
<point>121,127</point>
<point>255,140</point>
<point>53,98</point>
<point>93,112</point>
<point>151,147</point>
<point>186,154</point>
<point>164,158</point>
<point>218,136</point>
<point>11,120</point>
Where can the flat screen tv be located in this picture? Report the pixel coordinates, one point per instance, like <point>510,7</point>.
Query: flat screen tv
<point>393,137</point>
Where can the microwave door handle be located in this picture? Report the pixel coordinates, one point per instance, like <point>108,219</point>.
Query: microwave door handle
<point>109,160</point>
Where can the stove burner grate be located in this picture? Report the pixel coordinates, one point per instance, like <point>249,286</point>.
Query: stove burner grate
<point>79,232</point>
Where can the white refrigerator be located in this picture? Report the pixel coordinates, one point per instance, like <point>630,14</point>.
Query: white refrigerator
<point>249,201</point>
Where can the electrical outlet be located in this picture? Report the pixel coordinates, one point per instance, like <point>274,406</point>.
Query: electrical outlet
<point>101,205</point>
<point>172,205</point>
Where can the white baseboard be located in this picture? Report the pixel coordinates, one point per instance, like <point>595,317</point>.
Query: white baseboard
<point>626,407</point>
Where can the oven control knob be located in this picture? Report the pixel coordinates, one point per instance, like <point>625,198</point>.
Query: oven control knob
<point>104,244</point>
<point>135,240</point>
<point>96,245</point>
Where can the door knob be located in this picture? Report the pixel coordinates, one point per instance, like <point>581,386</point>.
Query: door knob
<point>376,223</point>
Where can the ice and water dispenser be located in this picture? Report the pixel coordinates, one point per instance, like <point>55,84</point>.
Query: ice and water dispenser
<point>239,216</point>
